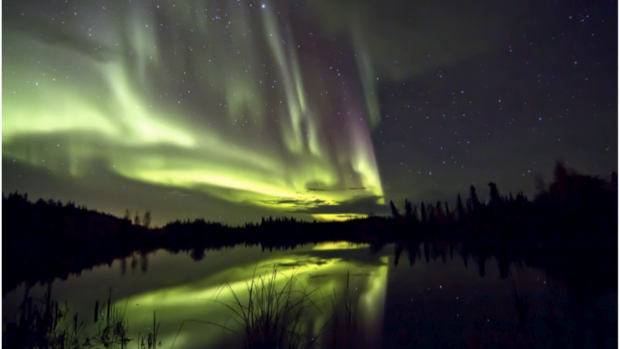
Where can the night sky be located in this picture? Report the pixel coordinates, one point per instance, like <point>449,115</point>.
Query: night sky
<point>234,109</point>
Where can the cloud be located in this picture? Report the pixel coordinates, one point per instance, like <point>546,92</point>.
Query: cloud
<point>362,204</point>
<point>320,189</point>
<point>296,202</point>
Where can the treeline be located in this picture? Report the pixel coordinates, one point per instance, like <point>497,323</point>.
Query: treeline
<point>52,238</point>
<point>571,201</point>
<point>145,222</point>
<point>49,239</point>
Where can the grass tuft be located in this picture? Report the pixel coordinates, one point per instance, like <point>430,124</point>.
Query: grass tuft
<point>273,316</point>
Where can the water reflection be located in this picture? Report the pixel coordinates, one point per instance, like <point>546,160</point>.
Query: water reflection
<point>318,270</point>
<point>437,300</point>
<point>179,289</point>
<point>532,298</point>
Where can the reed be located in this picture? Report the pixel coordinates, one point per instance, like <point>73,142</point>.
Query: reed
<point>49,324</point>
<point>44,324</point>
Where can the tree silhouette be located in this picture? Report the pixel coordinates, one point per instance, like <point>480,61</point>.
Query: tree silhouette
<point>558,190</point>
<point>127,215</point>
<point>147,219</point>
<point>397,253</point>
<point>494,194</point>
<point>198,254</point>
<point>474,198</point>
<point>423,212</point>
<point>459,207</point>
<point>136,218</point>
<point>144,261</point>
<point>408,208</point>
<point>431,212</point>
<point>541,188</point>
<point>439,210</point>
<point>395,213</point>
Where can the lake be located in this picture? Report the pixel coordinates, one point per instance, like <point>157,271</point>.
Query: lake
<point>428,295</point>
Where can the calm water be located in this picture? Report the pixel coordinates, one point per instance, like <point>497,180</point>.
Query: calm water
<point>442,299</point>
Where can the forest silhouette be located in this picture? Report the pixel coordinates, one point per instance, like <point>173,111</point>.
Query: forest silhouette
<point>572,215</point>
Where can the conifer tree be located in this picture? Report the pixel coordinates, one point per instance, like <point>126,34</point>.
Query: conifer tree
<point>395,213</point>
<point>408,208</point>
<point>459,207</point>
<point>474,198</point>
<point>494,194</point>
<point>147,219</point>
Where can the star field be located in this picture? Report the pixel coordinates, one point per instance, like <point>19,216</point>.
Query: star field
<point>233,110</point>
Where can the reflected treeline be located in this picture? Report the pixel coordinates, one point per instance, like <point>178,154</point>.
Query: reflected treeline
<point>574,214</point>
<point>49,239</point>
<point>586,272</point>
<point>589,280</point>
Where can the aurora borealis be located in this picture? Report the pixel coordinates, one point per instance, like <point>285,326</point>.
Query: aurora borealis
<point>232,110</point>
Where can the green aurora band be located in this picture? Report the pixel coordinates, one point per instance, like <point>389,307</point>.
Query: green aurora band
<point>186,99</point>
